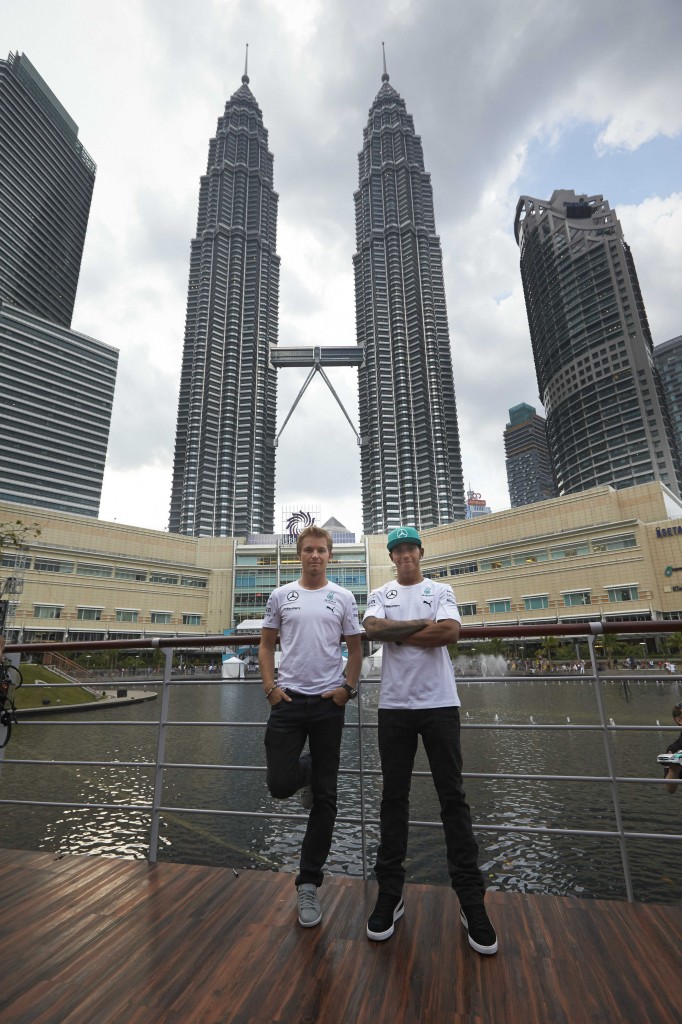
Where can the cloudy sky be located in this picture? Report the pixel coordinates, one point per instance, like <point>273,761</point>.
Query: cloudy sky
<point>510,97</point>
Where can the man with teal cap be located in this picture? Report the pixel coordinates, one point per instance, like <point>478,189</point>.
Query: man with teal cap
<point>416,618</point>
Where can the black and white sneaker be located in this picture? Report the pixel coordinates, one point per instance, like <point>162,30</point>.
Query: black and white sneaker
<point>482,935</point>
<point>382,919</point>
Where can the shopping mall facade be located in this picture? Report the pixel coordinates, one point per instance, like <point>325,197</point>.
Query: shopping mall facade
<point>600,554</point>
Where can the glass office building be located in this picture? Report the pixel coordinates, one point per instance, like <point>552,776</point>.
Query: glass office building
<point>668,359</point>
<point>527,459</point>
<point>607,417</point>
<point>46,183</point>
<point>57,391</point>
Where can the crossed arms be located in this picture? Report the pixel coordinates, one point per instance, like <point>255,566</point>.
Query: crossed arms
<point>412,632</point>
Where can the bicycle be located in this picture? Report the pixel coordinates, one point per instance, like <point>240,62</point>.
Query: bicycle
<point>10,681</point>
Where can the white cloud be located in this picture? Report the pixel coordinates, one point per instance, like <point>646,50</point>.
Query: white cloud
<point>146,81</point>
<point>653,230</point>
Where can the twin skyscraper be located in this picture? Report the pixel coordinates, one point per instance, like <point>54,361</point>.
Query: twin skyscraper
<point>224,470</point>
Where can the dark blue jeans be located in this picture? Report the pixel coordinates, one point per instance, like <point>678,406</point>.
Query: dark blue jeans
<point>320,721</point>
<point>399,732</point>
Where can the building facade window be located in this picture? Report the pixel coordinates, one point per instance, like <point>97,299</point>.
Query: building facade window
<point>577,599</point>
<point>570,551</point>
<point>461,568</point>
<point>618,594</point>
<point>85,569</point>
<point>126,614</point>
<point>52,565</point>
<point>161,618</point>
<point>47,611</point>
<point>193,581</point>
<point>349,578</point>
<point>496,607</point>
<point>614,543</point>
<point>10,560</point>
<point>537,601</point>
<point>501,562</point>
<point>256,559</point>
<point>137,575</point>
<point>467,609</point>
<point>530,557</point>
<point>191,619</point>
<point>89,614</point>
<point>163,577</point>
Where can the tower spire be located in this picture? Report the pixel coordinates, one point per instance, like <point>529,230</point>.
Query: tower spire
<point>245,76</point>
<point>385,76</point>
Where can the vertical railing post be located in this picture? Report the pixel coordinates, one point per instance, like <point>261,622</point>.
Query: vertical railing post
<point>363,838</point>
<point>609,765</point>
<point>160,754</point>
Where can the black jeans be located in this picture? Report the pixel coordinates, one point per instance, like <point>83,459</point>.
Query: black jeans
<point>320,721</point>
<point>399,731</point>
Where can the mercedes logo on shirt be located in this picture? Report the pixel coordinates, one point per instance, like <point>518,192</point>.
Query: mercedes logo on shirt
<point>390,594</point>
<point>292,595</point>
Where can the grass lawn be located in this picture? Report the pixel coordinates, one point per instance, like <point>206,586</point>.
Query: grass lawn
<point>32,695</point>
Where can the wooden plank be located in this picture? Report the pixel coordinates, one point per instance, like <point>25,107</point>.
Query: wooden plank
<point>104,941</point>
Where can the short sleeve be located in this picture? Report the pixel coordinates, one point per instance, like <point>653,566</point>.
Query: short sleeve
<point>351,622</point>
<point>447,605</point>
<point>375,606</point>
<point>272,619</point>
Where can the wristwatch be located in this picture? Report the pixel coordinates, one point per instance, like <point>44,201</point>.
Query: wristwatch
<point>352,694</point>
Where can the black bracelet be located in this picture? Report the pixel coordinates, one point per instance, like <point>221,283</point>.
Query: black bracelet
<point>268,692</point>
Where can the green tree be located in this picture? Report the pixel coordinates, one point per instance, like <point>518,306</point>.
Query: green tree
<point>17,534</point>
<point>673,643</point>
<point>550,647</point>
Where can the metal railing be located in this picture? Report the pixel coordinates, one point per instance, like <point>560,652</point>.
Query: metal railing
<point>156,807</point>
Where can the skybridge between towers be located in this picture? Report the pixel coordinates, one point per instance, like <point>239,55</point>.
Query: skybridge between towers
<point>316,357</point>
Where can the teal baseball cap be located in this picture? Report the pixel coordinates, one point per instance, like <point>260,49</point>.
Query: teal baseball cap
<point>403,535</point>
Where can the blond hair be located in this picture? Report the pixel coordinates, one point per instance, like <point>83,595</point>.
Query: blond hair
<point>314,531</point>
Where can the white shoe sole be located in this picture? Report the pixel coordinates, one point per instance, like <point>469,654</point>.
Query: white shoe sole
<point>483,950</point>
<point>381,936</point>
<point>310,924</point>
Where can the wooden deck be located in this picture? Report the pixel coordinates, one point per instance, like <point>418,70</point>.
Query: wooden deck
<point>88,940</point>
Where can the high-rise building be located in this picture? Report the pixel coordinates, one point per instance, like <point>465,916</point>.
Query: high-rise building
<point>411,466</point>
<point>668,360</point>
<point>57,390</point>
<point>607,418</point>
<point>224,469</point>
<point>46,183</point>
<point>529,467</point>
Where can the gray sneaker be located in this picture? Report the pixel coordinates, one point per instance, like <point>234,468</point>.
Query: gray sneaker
<point>309,909</point>
<point>306,793</point>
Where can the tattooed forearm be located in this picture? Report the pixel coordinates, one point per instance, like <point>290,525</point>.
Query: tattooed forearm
<point>393,629</point>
